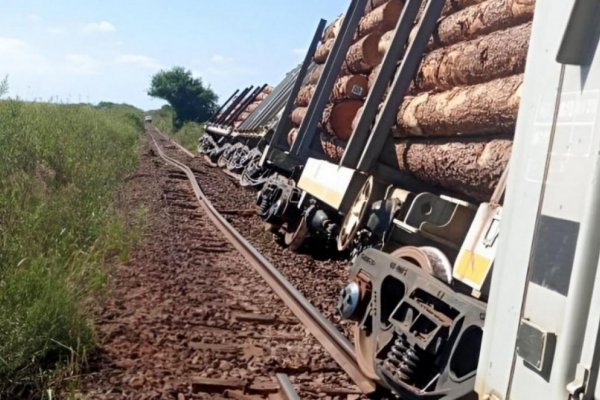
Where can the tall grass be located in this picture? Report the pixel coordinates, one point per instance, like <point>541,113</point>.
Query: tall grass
<point>60,166</point>
<point>187,135</point>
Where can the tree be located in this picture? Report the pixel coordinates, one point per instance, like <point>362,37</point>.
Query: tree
<point>190,99</point>
<point>4,86</point>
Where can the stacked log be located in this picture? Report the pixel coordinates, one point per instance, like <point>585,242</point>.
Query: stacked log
<point>307,90</point>
<point>362,57</point>
<point>481,19</point>
<point>338,117</point>
<point>380,19</point>
<point>455,129</point>
<point>489,107</point>
<point>253,106</point>
<point>499,54</point>
<point>467,166</point>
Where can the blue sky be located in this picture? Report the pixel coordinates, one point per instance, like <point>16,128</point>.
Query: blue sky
<point>71,51</point>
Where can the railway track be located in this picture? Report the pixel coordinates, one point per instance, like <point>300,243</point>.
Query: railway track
<point>326,333</point>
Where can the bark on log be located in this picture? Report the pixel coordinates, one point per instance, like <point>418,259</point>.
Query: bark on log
<point>298,115</point>
<point>373,4</point>
<point>315,74</point>
<point>333,29</point>
<point>499,54</point>
<point>306,93</point>
<point>489,107</point>
<point>350,87</point>
<point>468,166</point>
<point>337,118</point>
<point>364,55</point>
<point>453,6</point>
<point>332,146</point>
<point>292,135</point>
<point>381,19</point>
<point>385,41</point>
<point>323,51</point>
<point>481,19</point>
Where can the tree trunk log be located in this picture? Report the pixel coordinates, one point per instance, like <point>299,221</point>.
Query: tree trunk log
<point>381,19</point>
<point>306,93</point>
<point>468,166</point>
<point>323,51</point>
<point>298,115</point>
<point>385,41</point>
<point>499,54</point>
<point>333,29</point>
<point>350,87</point>
<point>481,19</point>
<point>292,135</point>
<point>314,75</point>
<point>364,55</point>
<point>453,6</point>
<point>373,4</point>
<point>337,118</point>
<point>332,146</point>
<point>480,109</point>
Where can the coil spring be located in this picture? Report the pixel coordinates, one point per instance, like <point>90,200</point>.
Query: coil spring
<point>403,361</point>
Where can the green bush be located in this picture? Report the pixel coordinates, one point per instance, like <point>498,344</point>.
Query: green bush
<point>60,166</point>
<point>187,135</point>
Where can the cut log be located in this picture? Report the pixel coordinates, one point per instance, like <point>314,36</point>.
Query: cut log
<point>385,41</point>
<point>373,4</point>
<point>332,146</point>
<point>489,107</point>
<point>468,166</point>
<point>364,55</point>
<point>381,19</point>
<point>333,29</point>
<point>298,115</point>
<point>306,93</point>
<point>323,51</point>
<point>292,135</point>
<point>337,118</point>
<point>350,87</point>
<point>499,54</point>
<point>453,6</point>
<point>481,19</point>
<point>313,77</point>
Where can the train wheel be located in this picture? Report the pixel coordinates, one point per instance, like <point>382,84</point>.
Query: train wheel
<point>355,215</point>
<point>429,259</point>
<point>296,238</point>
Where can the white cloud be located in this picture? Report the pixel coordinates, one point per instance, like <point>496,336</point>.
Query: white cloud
<point>81,64</point>
<point>139,60</point>
<point>34,17</point>
<point>11,46</point>
<point>99,27</point>
<point>220,59</point>
<point>56,30</point>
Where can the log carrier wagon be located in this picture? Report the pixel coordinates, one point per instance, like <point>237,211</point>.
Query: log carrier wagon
<point>474,232</point>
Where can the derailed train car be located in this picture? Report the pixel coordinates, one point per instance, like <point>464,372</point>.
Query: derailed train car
<point>395,147</point>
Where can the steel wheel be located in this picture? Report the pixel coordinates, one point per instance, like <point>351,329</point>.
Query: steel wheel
<point>296,238</point>
<point>429,259</point>
<point>355,215</point>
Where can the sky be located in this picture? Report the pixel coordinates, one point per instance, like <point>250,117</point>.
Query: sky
<point>89,51</point>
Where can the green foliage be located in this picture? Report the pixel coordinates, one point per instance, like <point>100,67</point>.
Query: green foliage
<point>189,98</point>
<point>187,135</point>
<point>4,86</point>
<point>59,170</point>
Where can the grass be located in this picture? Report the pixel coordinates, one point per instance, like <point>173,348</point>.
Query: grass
<point>59,170</point>
<point>187,135</point>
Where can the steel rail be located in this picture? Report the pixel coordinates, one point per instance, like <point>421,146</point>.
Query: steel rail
<point>340,349</point>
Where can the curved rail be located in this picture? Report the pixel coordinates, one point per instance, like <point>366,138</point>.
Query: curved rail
<point>340,349</point>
